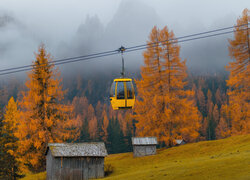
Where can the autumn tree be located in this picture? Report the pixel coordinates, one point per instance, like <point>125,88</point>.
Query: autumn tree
<point>80,106</point>
<point>210,118</point>
<point>105,124</point>
<point>201,101</point>
<point>218,98</point>
<point>239,79</point>
<point>44,118</point>
<point>223,128</point>
<point>93,126</point>
<point>164,109</point>
<point>10,169</point>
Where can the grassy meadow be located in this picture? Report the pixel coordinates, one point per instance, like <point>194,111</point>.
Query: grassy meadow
<point>220,159</point>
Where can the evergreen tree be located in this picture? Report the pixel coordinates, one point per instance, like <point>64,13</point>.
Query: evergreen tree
<point>44,118</point>
<point>164,109</point>
<point>223,129</point>
<point>9,141</point>
<point>239,80</point>
<point>84,130</point>
<point>105,124</point>
<point>115,142</point>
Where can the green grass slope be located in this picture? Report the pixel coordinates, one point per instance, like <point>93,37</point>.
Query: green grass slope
<point>221,159</point>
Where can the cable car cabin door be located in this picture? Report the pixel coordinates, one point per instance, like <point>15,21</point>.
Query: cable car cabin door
<point>121,95</point>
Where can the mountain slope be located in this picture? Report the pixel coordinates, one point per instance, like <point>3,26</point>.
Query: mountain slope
<point>221,159</point>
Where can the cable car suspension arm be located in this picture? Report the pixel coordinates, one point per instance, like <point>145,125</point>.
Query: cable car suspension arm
<point>121,50</point>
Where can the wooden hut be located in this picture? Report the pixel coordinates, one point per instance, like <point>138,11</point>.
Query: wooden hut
<point>75,160</point>
<point>180,142</point>
<point>144,146</point>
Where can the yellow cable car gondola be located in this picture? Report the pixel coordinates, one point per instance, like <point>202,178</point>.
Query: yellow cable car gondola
<point>122,94</point>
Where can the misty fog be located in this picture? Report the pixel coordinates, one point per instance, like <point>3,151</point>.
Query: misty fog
<point>129,25</point>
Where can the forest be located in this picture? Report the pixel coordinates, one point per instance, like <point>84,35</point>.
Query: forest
<point>171,103</point>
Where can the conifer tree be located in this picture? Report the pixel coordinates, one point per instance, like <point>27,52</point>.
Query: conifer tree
<point>239,80</point>
<point>44,118</point>
<point>10,122</point>
<point>164,109</point>
<point>9,141</point>
<point>201,101</point>
<point>223,129</point>
<point>116,142</point>
<point>92,123</point>
<point>105,125</point>
<point>218,98</point>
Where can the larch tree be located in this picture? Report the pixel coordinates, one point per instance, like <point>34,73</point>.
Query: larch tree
<point>80,106</point>
<point>210,119</point>
<point>105,124</point>
<point>44,118</point>
<point>92,123</point>
<point>201,101</point>
<point>164,109</point>
<point>218,98</point>
<point>9,140</point>
<point>239,78</point>
<point>216,115</point>
<point>223,129</point>
<point>93,128</point>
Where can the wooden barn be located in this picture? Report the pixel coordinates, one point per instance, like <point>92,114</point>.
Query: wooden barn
<point>180,142</point>
<point>144,146</point>
<point>76,161</point>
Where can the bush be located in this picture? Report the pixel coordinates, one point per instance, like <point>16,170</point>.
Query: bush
<point>108,169</point>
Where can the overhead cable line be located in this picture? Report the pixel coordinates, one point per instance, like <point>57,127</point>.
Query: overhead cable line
<point>185,40</point>
<point>134,47</point>
<point>58,63</point>
<point>129,49</point>
<point>61,60</point>
<point>187,36</point>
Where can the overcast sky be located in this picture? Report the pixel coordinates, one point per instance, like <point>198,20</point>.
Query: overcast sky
<point>77,27</point>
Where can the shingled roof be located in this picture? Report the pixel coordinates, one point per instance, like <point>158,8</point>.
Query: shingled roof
<point>96,149</point>
<point>144,140</point>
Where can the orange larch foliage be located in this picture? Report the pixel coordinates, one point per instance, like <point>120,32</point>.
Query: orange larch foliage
<point>80,105</point>
<point>93,126</point>
<point>201,100</point>
<point>8,141</point>
<point>43,118</point>
<point>10,122</point>
<point>93,129</point>
<point>105,124</point>
<point>164,109</point>
<point>223,128</point>
<point>218,97</point>
<point>216,115</point>
<point>239,79</point>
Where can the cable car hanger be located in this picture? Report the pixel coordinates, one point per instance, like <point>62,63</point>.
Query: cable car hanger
<point>121,50</point>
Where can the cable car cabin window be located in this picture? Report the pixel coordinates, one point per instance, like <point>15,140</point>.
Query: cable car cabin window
<point>129,90</point>
<point>112,90</point>
<point>120,90</point>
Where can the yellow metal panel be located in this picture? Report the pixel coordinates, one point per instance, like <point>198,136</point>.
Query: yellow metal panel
<point>122,79</point>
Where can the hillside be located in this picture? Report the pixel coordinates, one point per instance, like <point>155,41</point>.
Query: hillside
<point>220,159</point>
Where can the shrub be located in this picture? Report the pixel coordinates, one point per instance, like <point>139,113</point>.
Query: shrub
<point>108,169</point>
